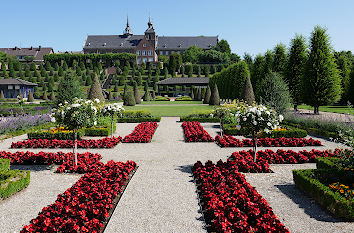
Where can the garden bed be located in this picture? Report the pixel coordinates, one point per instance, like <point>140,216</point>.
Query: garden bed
<point>142,133</point>
<point>229,141</point>
<point>194,132</point>
<point>88,205</point>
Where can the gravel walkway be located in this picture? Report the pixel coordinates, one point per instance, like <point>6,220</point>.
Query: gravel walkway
<point>162,197</point>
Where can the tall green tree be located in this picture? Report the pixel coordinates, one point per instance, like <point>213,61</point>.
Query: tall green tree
<point>344,69</point>
<point>279,58</point>
<point>223,46</point>
<point>69,88</point>
<point>322,82</point>
<point>295,68</point>
<point>192,54</point>
<point>175,63</point>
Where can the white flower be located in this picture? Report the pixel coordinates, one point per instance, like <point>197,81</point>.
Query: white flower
<point>267,112</point>
<point>269,124</point>
<point>75,105</point>
<point>97,100</point>
<point>244,119</point>
<point>255,122</point>
<point>267,131</point>
<point>52,119</point>
<point>281,118</point>
<point>238,127</point>
<point>95,123</point>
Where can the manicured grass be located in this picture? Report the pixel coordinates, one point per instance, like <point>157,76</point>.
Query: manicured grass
<point>171,110</point>
<point>171,102</point>
<point>335,109</point>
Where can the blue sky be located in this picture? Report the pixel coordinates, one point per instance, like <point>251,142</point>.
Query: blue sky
<point>249,26</point>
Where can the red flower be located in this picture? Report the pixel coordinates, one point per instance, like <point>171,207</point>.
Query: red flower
<point>142,133</point>
<point>194,132</point>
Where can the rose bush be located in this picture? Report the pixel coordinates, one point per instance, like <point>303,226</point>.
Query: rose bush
<point>229,141</point>
<point>194,132</point>
<point>230,203</point>
<point>142,133</point>
<point>45,143</point>
<point>112,110</point>
<point>85,206</point>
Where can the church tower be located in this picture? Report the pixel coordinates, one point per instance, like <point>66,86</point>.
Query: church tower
<point>128,31</point>
<point>150,34</point>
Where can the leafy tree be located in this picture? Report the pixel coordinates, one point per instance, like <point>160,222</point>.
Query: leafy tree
<point>182,71</point>
<point>247,92</point>
<point>36,94</point>
<point>268,63</point>
<point>213,69</point>
<point>351,85</point>
<point>175,63</point>
<point>223,46</point>
<point>192,54</point>
<point>257,71</point>
<point>136,94</point>
<point>213,56</point>
<point>279,60</point>
<point>61,71</point>
<point>96,90</point>
<point>215,98</point>
<point>115,87</point>
<point>192,93</point>
<point>294,68</point>
<point>33,66</point>
<point>275,92</point>
<point>344,69</point>
<point>68,88</point>
<point>189,70</point>
<point>122,80</point>
<point>199,73</point>
<point>207,96</point>
<point>321,83</point>
<point>56,66</point>
<point>199,94</point>
<point>206,70</point>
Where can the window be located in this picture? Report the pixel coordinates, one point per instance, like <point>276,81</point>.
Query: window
<point>144,45</point>
<point>150,52</point>
<point>144,60</point>
<point>10,87</point>
<point>139,60</point>
<point>138,52</point>
<point>17,87</point>
<point>144,53</point>
<point>150,59</point>
<point>161,52</point>
<point>166,53</point>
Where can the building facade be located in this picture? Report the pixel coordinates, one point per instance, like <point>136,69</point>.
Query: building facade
<point>34,54</point>
<point>12,87</point>
<point>147,47</point>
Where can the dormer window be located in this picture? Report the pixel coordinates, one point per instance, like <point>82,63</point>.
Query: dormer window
<point>89,44</point>
<point>104,44</point>
<point>144,45</point>
<point>179,45</point>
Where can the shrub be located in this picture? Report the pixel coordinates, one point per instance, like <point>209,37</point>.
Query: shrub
<point>129,99</point>
<point>183,98</point>
<point>207,96</point>
<point>54,134</point>
<point>161,98</point>
<point>96,90</point>
<point>13,181</point>
<point>247,92</point>
<point>100,130</point>
<point>215,98</point>
<point>4,165</point>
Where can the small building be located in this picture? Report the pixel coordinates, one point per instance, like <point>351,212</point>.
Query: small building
<point>181,86</point>
<point>28,54</point>
<point>13,86</point>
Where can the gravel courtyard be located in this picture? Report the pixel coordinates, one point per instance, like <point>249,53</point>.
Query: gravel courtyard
<point>161,197</point>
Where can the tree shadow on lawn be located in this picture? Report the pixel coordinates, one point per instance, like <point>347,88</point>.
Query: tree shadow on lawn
<point>309,205</point>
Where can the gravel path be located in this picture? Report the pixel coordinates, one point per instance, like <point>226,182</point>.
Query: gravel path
<point>162,197</point>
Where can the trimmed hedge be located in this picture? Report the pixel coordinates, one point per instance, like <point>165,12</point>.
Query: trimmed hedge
<point>100,131</point>
<point>200,119</point>
<point>184,98</point>
<point>327,163</point>
<point>230,129</point>
<point>4,165</point>
<point>306,180</point>
<point>12,182</point>
<point>139,119</point>
<point>314,131</point>
<point>59,135</point>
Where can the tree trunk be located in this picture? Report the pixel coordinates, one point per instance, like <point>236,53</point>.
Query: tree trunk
<point>75,148</point>
<point>254,146</point>
<point>316,111</point>
<point>221,128</point>
<point>112,126</point>
<point>295,107</point>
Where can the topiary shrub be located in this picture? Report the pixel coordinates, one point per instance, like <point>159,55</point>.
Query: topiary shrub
<point>52,96</point>
<point>215,98</point>
<point>129,99</point>
<point>247,92</point>
<point>136,94</point>
<point>96,90</point>
<point>45,96</point>
<point>30,96</point>
<point>207,96</point>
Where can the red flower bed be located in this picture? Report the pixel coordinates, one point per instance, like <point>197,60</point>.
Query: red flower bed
<point>230,203</point>
<point>45,143</point>
<point>86,161</point>
<point>142,133</point>
<point>194,132</point>
<point>229,141</point>
<point>244,159</point>
<point>85,206</point>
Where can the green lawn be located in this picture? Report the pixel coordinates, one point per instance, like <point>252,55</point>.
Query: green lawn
<point>171,102</point>
<point>335,109</point>
<point>171,110</point>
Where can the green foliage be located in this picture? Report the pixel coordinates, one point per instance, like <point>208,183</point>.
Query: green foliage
<point>294,68</point>
<point>351,85</point>
<point>40,134</point>
<point>12,182</point>
<point>213,56</point>
<point>30,96</point>
<point>175,63</point>
<point>4,165</point>
<point>321,83</point>
<point>192,54</point>
<point>344,69</point>
<point>45,96</point>
<point>52,96</point>
<point>129,99</point>
<point>291,132</point>
<point>223,46</point>
<point>215,98</point>
<point>207,96</point>
<point>136,94</point>
<point>275,92</point>
<point>96,90</point>
<point>69,88</point>
<point>2,97</point>
<point>247,92</point>
<point>280,59</point>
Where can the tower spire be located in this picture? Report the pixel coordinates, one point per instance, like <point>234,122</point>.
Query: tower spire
<point>128,31</point>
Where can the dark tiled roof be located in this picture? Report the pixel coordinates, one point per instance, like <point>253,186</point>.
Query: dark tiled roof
<point>184,42</point>
<point>16,81</point>
<point>112,41</point>
<point>35,52</point>
<point>181,81</point>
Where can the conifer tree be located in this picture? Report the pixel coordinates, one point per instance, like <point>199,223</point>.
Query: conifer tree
<point>45,96</point>
<point>96,90</point>
<point>279,58</point>
<point>215,98</point>
<point>68,88</point>
<point>110,95</point>
<point>2,97</point>
<point>30,97</point>
<point>207,96</point>
<point>52,96</point>
<point>321,83</point>
<point>129,99</point>
<point>247,92</point>
<point>147,96</point>
<point>136,94</point>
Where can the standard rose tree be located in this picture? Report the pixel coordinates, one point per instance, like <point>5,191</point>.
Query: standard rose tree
<point>112,110</point>
<point>81,113</point>
<point>257,118</point>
